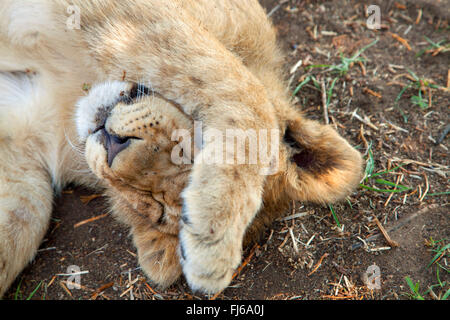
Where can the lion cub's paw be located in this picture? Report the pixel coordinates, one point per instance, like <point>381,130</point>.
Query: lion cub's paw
<point>218,205</point>
<point>207,267</point>
<point>157,256</point>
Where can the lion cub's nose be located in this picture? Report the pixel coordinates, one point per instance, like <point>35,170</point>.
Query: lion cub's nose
<point>114,145</point>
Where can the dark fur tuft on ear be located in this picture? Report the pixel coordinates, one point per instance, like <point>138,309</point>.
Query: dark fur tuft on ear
<point>322,166</point>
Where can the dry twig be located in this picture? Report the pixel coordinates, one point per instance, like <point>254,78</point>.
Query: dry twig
<point>89,220</point>
<point>403,41</point>
<point>318,264</point>
<point>391,242</point>
<point>238,271</point>
<point>324,102</point>
<point>100,290</point>
<point>89,198</point>
<point>372,93</point>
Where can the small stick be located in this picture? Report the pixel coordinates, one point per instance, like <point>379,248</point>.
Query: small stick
<point>294,242</point>
<point>246,261</point>
<point>391,242</point>
<point>296,66</point>
<point>437,51</point>
<point>89,220</point>
<point>379,249</point>
<point>419,16</point>
<point>429,164</point>
<point>77,285</point>
<point>363,138</point>
<point>399,6</point>
<point>294,216</point>
<point>72,274</point>
<point>397,225</point>
<point>283,243</point>
<point>427,187</point>
<point>150,288</point>
<point>89,198</point>
<point>373,93</point>
<point>324,102</point>
<point>318,264</point>
<point>61,283</point>
<point>101,289</point>
<point>448,79</point>
<point>310,240</point>
<point>363,69</point>
<point>51,281</point>
<point>126,291</point>
<point>365,120</point>
<point>432,294</point>
<point>401,40</point>
<point>276,8</point>
<point>392,193</point>
<point>338,297</point>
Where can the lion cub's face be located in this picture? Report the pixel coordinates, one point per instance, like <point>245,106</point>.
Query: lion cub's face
<point>128,130</point>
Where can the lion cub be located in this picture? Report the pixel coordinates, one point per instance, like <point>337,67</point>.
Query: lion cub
<point>209,62</point>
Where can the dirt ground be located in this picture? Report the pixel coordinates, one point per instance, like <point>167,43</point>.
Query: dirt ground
<point>367,104</point>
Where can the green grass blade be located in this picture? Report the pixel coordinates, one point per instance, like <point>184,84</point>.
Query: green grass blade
<point>16,294</point>
<point>318,66</point>
<point>392,184</point>
<point>413,74</point>
<point>334,215</point>
<point>365,48</point>
<point>386,171</point>
<point>380,190</point>
<point>414,289</point>
<point>438,254</point>
<point>434,44</point>
<point>34,291</point>
<point>447,293</point>
<point>438,194</point>
<point>330,91</point>
<point>307,79</point>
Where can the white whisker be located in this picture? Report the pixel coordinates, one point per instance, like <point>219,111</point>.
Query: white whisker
<point>81,170</point>
<point>77,149</point>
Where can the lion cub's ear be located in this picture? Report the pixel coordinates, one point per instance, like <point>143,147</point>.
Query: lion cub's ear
<point>322,166</point>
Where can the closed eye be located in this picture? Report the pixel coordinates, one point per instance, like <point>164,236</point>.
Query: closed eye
<point>121,140</point>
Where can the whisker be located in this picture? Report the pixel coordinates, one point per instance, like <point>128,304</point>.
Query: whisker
<point>77,149</point>
<point>80,170</point>
<point>142,85</point>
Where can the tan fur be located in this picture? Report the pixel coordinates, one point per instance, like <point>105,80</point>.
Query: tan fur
<point>211,61</point>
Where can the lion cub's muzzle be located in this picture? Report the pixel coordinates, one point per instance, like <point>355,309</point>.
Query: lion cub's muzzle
<point>95,109</point>
<point>114,145</point>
